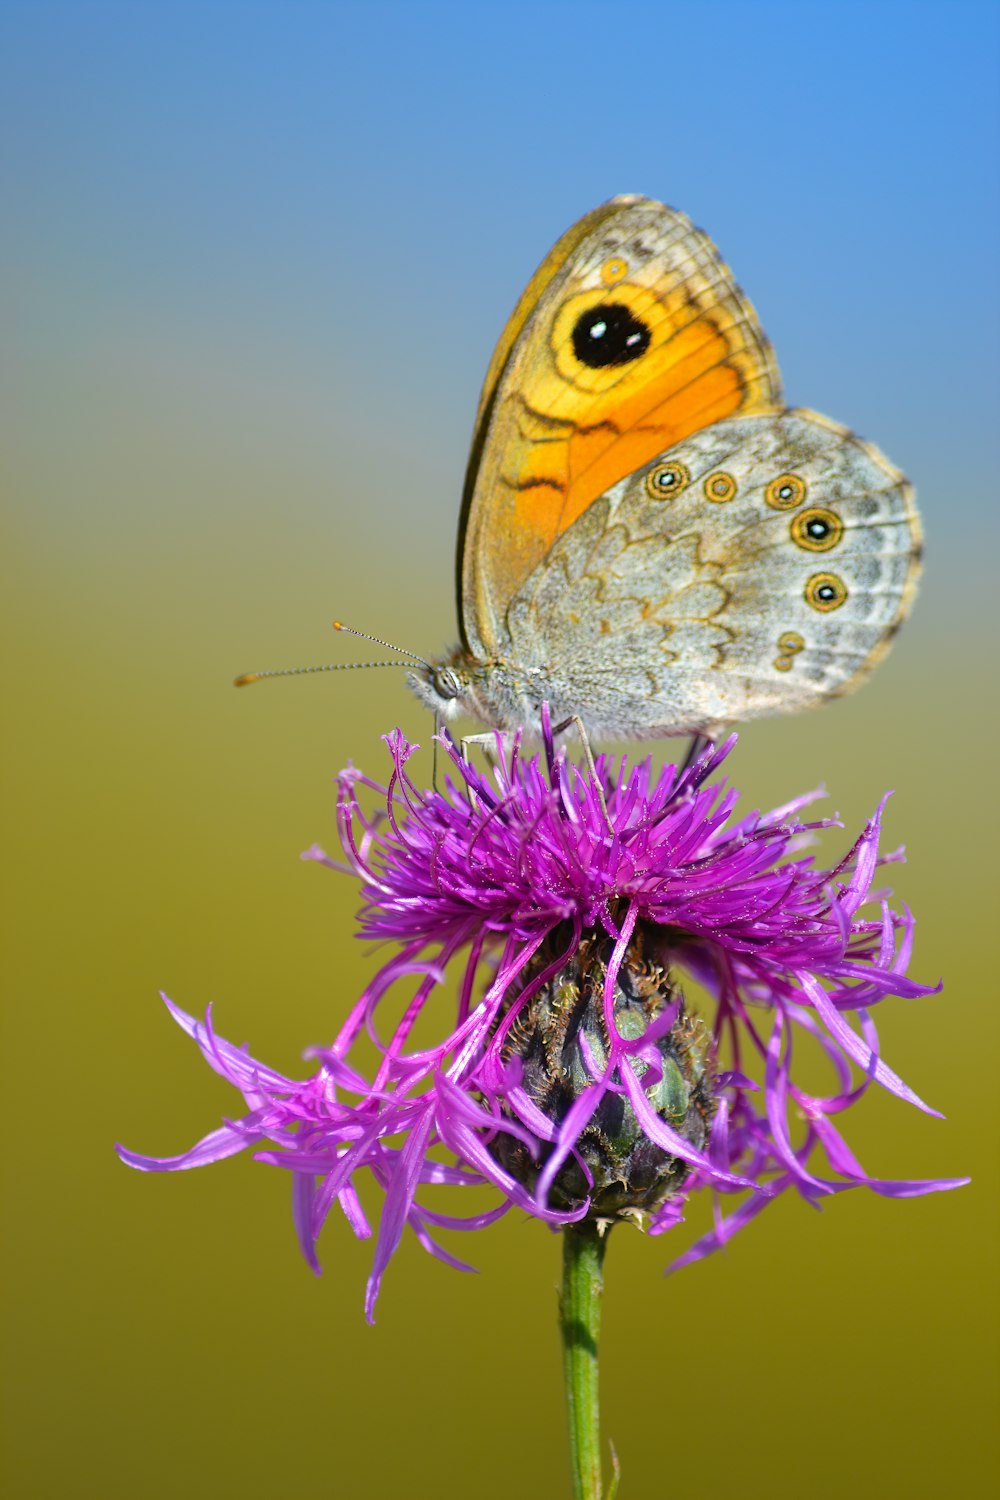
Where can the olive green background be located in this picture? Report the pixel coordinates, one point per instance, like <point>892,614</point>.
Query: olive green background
<point>255,259</point>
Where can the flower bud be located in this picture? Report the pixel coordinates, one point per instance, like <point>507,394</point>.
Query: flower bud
<point>631,1173</point>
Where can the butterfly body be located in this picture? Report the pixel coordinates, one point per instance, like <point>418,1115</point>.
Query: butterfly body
<point>650,540</point>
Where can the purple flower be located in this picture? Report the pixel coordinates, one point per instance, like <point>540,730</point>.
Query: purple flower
<point>574,1078</point>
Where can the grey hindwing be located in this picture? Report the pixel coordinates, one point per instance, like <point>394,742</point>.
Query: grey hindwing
<point>767,575</point>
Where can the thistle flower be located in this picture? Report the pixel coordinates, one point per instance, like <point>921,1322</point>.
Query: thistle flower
<point>574,1076</point>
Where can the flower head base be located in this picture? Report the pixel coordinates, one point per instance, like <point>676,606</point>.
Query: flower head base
<point>561,1042</point>
<point>572,1078</point>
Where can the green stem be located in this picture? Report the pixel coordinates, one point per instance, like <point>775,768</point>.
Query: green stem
<point>580,1316</point>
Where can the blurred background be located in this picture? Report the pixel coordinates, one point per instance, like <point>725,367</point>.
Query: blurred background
<point>255,259</point>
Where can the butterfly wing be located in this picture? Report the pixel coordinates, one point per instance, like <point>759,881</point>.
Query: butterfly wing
<point>631,335</point>
<point>758,568</point>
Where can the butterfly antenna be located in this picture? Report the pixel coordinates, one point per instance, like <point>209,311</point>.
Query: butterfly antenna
<point>333,666</point>
<point>378,641</point>
<point>337,666</point>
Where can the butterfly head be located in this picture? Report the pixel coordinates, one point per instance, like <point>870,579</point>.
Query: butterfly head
<point>490,689</point>
<point>445,687</point>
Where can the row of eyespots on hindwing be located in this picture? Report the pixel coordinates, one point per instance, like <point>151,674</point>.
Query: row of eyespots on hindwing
<point>815,529</point>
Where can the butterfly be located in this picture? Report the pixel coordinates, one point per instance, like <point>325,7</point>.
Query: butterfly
<point>649,539</point>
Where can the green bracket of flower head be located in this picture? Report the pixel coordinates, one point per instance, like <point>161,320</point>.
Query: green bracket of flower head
<point>562,1035</point>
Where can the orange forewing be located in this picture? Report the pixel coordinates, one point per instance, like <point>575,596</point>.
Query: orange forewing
<point>553,433</point>
<point>527,304</point>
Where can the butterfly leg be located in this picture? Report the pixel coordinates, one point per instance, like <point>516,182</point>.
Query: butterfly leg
<point>589,757</point>
<point>699,743</point>
<point>487,742</point>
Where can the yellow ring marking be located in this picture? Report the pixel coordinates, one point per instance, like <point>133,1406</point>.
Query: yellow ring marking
<point>667,480</point>
<point>790,643</point>
<point>816,529</point>
<point>719,487</point>
<point>785,492</point>
<point>825,591</point>
<point>614,270</point>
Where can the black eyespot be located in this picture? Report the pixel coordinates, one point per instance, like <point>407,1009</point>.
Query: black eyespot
<point>825,591</point>
<point>667,480</point>
<point>785,492</point>
<point>816,529</point>
<point>609,334</point>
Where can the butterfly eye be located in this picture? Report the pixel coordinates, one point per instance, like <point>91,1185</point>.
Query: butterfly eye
<point>817,530</point>
<point>785,492</point>
<point>666,481</point>
<point>609,334</point>
<point>720,487</point>
<point>825,591</point>
<point>446,684</point>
